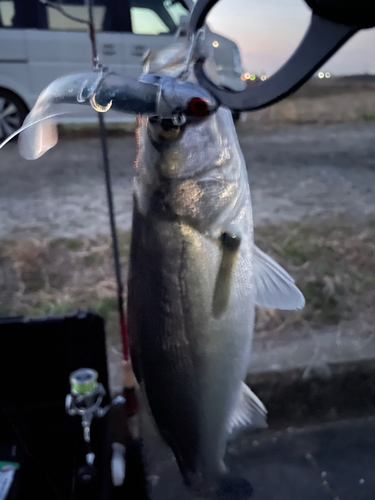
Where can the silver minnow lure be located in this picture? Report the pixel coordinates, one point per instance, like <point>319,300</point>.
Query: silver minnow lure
<point>195,278</point>
<point>104,91</point>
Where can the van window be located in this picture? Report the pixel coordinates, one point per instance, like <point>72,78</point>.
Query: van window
<point>146,22</point>
<point>176,10</point>
<point>109,15</point>
<point>78,9</point>
<point>6,13</point>
<point>22,14</point>
<point>149,17</point>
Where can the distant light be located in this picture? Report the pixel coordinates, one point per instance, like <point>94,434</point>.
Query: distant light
<point>328,75</point>
<point>264,78</point>
<point>243,78</point>
<point>253,77</point>
<point>247,76</point>
<point>215,43</point>
<point>321,74</point>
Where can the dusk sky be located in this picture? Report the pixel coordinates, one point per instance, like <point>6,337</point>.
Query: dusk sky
<point>268,31</point>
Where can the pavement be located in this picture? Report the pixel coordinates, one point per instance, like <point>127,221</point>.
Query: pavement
<point>333,461</point>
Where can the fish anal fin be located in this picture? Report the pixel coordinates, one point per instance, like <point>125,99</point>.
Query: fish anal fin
<point>249,412</point>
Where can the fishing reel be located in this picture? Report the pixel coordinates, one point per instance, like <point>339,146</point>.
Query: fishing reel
<point>85,399</point>
<point>333,22</point>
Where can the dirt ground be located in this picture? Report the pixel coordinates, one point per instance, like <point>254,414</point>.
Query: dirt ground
<point>295,171</point>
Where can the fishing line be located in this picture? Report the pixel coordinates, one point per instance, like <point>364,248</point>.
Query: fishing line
<point>109,192</point>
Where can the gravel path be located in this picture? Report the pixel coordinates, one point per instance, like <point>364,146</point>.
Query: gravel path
<point>294,171</point>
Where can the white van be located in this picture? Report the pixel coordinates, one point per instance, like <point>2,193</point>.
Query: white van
<point>38,44</point>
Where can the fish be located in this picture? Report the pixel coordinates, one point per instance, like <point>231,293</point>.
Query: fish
<point>195,277</point>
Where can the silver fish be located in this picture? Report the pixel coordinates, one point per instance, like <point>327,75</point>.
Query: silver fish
<point>195,278</point>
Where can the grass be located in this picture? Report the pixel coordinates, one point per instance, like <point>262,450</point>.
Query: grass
<point>106,306</point>
<point>368,117</point>
<point>73,244</point>
<point>316,104</point>
<point>333,264</point>
<point>93,259</point>
<point>60,276</point>
<point>124,243</point>
<point>49,307</point>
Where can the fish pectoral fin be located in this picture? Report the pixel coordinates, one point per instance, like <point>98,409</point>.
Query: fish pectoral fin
<point>250,412</point>
<point>275,288</point>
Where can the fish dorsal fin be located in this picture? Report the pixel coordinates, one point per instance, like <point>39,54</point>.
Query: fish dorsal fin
<point>275,288</point>
<point>249,412</point>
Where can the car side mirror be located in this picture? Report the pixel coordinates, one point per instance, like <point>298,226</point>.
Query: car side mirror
<point>333,23</point>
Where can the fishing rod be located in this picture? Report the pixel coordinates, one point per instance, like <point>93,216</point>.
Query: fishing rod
<point>98,68</point>
<point>112,218</point>
<point>87,403</point>
<point>133,451</point>
<point>129,381</point>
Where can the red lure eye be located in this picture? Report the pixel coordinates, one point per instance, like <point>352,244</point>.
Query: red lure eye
<point>198,107</point>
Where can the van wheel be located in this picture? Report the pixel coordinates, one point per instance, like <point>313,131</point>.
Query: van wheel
<point>13,111</point>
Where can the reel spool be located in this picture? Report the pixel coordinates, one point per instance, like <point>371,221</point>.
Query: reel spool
<point>85,399</point>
